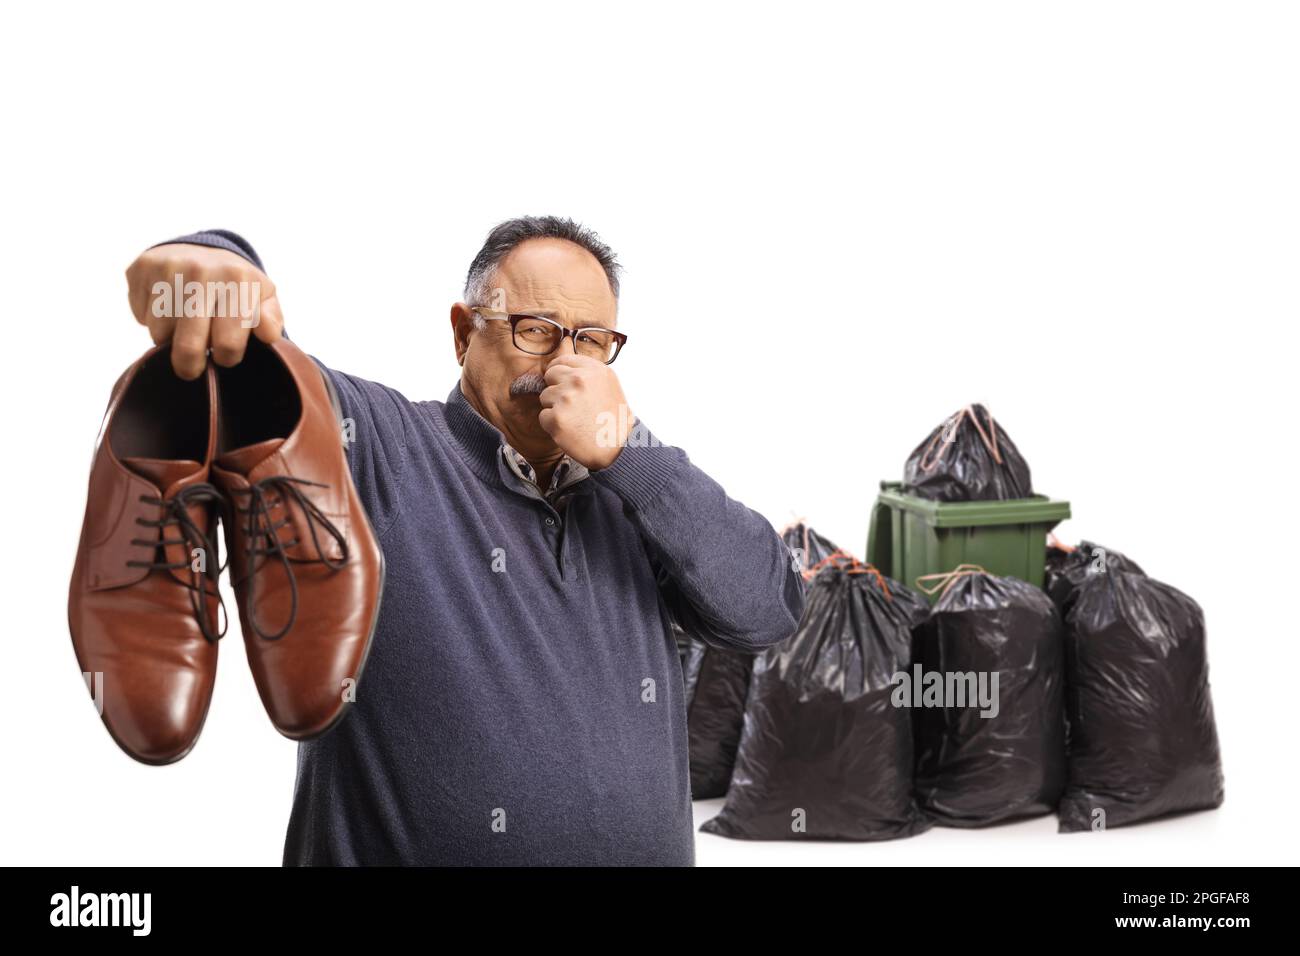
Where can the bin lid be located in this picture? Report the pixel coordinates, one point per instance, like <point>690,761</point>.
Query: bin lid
<point>1038,509</point>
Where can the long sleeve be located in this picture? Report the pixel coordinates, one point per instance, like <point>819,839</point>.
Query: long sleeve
<point>724,572</point>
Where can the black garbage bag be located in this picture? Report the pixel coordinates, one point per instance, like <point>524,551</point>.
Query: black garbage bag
<point>1143,742</point>
<point>717,683</point>
<point>807,546</point>
<point>1069,568</point>
<point>824,753</point>
<point>989,752</point>
<point>968,457</point>
<point>683,641</point>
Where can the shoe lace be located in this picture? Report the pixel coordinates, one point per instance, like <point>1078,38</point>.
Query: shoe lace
<point>175,511</point>
<point>264,541</point>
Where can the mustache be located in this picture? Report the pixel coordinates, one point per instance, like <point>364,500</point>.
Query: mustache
<point>530,383</point>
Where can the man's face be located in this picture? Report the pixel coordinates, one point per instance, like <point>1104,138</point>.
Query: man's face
<point>550,277</point>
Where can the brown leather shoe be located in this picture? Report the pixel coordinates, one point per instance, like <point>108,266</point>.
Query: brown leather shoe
<point>143,607</point>
<point>306,568</point>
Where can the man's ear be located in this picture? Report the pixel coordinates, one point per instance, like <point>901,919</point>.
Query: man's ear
<point>462,326</point>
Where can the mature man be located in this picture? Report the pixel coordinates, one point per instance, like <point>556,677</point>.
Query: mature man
<point>523,701</point>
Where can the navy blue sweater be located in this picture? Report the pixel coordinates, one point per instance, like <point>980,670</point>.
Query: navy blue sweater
<point>523,701</point>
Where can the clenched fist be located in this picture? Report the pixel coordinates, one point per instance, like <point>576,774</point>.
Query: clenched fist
<point>202,298</point>
<point>584,410</point>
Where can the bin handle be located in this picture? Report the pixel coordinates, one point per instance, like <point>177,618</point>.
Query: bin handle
<point>849,565</point>
<point>969,411</point>
<point>946,579</point>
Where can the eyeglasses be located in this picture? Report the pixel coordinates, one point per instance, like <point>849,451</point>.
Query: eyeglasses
<point>538,335</point>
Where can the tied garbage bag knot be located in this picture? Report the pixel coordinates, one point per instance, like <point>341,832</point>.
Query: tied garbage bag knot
<point>946,579</point>
<point>849,564</point>
<point>968,457</point>
<point>990,437</point>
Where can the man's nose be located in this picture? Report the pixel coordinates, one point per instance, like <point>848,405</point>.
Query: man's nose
<point>561,350</point>
<point>572,339</point>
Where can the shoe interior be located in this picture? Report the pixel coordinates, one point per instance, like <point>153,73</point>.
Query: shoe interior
<point>259,399</point>
<point>161,415</point>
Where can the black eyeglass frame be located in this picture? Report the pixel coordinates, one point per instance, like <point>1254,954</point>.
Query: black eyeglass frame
<point>514,318</point>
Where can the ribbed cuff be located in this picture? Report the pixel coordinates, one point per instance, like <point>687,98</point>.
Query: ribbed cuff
<point>220,239</point>
<point>642,469</point>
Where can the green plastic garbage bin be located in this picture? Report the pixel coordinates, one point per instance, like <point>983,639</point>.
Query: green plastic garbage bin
<point>911,536</point>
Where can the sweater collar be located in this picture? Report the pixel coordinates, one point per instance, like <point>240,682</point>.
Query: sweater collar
<point>478,439</point>
<point>486,450</point>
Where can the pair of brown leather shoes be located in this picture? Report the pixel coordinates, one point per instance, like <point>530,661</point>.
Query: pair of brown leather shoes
<point>259,447</point>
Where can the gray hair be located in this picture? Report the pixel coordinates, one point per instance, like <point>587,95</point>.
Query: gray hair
<point>507,235</point>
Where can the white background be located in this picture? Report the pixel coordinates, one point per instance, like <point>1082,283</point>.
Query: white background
<point>839,223</point>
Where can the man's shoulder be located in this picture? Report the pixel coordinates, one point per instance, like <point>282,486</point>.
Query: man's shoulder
<point>378,398</point>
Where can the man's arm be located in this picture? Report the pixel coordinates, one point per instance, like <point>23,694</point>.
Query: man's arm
<point>724,571</point>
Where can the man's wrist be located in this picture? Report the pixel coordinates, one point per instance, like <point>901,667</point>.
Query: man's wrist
<point>642,468</point>
<point>219,239</point>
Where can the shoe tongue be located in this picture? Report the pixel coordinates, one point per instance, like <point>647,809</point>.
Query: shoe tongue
<point>163,472</point>
<point>244,460</point>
